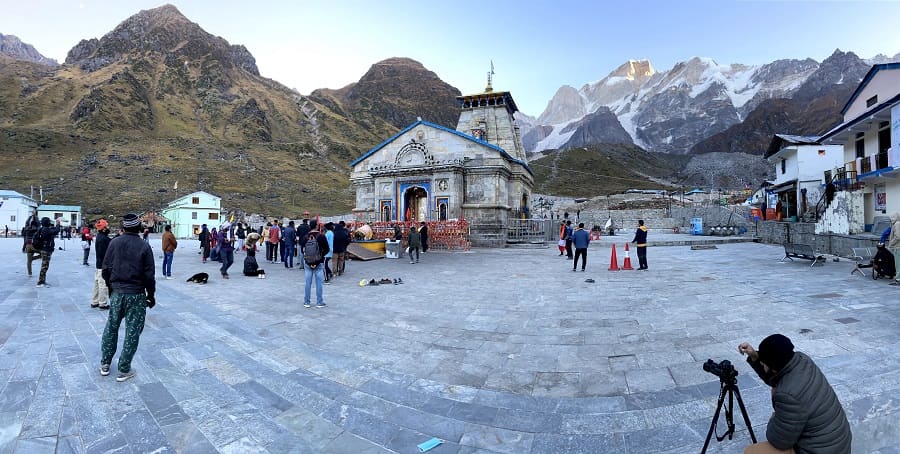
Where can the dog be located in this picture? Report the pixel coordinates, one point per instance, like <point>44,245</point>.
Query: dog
<point>200,278</point>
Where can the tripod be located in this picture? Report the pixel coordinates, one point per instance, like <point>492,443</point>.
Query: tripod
<point>729,387</point>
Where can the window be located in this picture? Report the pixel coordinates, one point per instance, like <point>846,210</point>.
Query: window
<point>193,215</point>
<point>872,101</point>
<point>783,166</point>
<point>821,152</point>
<point>860,145</point>
<point>12,218</point>
<point>213,216</point>
<point>195,200</point>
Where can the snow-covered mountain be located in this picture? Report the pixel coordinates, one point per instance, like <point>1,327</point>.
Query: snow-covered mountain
<point>666,111</point>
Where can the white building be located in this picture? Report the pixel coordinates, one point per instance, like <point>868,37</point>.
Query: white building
<point>870,135</point>
<point>800,164</point>
<point>14,210</point>
<point>68,215</point>
<point>186,214</point>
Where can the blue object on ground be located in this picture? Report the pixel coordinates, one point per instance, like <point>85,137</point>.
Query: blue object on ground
<point>430,444</point>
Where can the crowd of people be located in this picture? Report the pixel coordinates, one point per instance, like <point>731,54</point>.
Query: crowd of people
<point>579,239</point>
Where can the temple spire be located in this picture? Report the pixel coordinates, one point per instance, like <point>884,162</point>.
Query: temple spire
<point>490,78</point>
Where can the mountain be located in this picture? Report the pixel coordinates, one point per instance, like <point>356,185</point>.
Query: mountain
<point>158,100</point>
<point>670,111</point>
<point>814,107</point>
<point>14,48</point>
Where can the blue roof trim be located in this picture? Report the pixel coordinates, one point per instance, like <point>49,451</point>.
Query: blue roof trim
<point>446,129</point>
<point>875,173</point>
<point>861,118</point>
<point>868,77</point>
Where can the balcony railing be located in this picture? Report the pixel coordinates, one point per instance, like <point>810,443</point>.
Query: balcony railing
<point>871,163</point>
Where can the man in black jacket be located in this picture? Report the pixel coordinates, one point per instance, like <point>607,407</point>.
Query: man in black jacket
<point>43,242</point>
<point>341,241</point>
<point>31,227</point>
<point>101,292</point>
<point>128,270</point>
<point>807,416</point>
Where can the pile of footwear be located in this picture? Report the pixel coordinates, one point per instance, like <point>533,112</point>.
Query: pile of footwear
<point>384,281</point>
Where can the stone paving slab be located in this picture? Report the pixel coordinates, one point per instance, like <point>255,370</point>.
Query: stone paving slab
<point>493,351</point>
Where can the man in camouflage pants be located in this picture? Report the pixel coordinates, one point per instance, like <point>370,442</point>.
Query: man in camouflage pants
<point>128,270</point>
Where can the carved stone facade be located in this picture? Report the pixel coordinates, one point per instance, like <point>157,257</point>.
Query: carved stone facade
<point>430,172</point>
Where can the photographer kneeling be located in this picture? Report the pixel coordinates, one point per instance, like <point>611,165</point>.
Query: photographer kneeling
<point>807,416</point>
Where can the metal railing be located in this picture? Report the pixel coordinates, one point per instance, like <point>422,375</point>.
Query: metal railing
<point>531,231</point>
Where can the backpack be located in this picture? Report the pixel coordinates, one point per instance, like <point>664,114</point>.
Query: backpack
<point>37,241</point>
<point>311,253</point>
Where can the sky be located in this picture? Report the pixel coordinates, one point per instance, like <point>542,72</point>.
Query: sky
<point>535,46</point>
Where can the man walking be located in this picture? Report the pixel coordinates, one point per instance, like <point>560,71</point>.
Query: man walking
<point>640,240</point>
<point>205,241</point>
<point>569,233</point>
<point>290,237</point>
<point>31,253</point>
<point>423,234</point>
<point>314,266</point>
<point>169,244</point>
<point>101,244</point>
<point>341,241</point>
<point>128,270</point>
<point>582,240</point>
<point>414,241</point>
<point>226,248</point>
<point>44,243</point>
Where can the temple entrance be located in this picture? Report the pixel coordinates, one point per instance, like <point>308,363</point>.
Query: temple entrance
<point>415,199</point>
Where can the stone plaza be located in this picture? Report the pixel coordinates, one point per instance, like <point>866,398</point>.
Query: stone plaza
<point>492,350</point>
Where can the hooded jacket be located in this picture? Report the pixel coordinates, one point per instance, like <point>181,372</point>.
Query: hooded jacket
<point>581,239</point>
<point>894,240</point>
<point>807,415</point>
<point>48,233</point>
<point>640,236</point>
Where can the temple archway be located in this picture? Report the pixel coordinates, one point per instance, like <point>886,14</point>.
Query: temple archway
<point>415,201</point>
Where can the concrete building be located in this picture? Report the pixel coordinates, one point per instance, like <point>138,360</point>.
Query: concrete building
<point>800,163</point>
<point>477,172</point>
<point>15,208</point>
<point>868,182</point>
<point>69,215</point>
<point>187,213</point>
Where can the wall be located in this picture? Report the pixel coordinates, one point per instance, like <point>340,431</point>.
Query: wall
<point>884,84</point>
<point>845,215</point>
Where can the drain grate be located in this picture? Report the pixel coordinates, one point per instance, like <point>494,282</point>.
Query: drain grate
<point>846,320</point>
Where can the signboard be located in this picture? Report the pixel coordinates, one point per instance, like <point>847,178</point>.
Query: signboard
<point>880,197</point>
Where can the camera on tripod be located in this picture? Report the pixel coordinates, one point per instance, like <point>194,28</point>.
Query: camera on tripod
<point>724,370</point>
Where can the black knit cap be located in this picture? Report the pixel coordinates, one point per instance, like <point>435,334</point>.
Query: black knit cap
<point>131,222</point>
<point>776,351</point>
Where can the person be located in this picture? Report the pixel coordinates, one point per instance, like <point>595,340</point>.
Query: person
<point>251,266</point>
<point>86,240</point>
<point>241,235</point>
<point>398,237</point>
<point>169,244</point>
<point>807,416</point>
<point>31,227</point>
<point>290,237</point>
<point>894,244</point>
<point>562,238</point>
<point>44,242</point>
<point>6,231</point>
<point>581,239</point>
<point>128,270</point>
<point>226,248</point>
<point>414,241</point>
<point>423,233</point>
<point>100,298</point>
<point>265,239</point>
<point>214,245</point>
<point>204,238</point>
<point>303,231</point>
<point>640,240</point>
<point>274,239</point>
<point>883,262</point>
<point>329,236</point>
<point>147,236</point>
<point>314,267</point>
<point>341,241</point>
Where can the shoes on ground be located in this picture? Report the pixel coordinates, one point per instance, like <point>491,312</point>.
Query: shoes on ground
<point>319,306</point>
<point>225,276</point>
<point>125,375</point>
<point>104,307</point>
<point>41,284</point>
<point>399,280</point>
<point>307,305</point>
<point>573,269</point>
<point>589,281</point>
<point>169,278</point>
<point>582,270</point>
<point>385,281</point>
<point>895,283</point>
<point>94,306</point>
<point>373,282</point>
<point>104,369</point>
<point>417,261</point>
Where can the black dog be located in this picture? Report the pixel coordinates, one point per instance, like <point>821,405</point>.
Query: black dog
<point>199,278</point>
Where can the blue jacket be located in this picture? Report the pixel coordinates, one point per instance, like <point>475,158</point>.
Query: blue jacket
<point>581,239</point>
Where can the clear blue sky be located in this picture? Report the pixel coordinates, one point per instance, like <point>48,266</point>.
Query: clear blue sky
<point>536,46</point>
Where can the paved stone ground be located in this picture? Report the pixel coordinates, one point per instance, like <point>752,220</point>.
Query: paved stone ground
<point>492,351</point>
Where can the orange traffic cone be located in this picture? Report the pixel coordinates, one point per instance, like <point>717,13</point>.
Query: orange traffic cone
<point>626,265</point>
<point>613,261</point>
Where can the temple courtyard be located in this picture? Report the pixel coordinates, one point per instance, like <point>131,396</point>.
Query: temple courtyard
<point>492,350</point>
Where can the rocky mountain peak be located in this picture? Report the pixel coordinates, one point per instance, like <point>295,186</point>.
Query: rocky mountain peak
<point>163,31</point>
<point>635,70</point>
<point>12,46</point>
<point>566,104</point>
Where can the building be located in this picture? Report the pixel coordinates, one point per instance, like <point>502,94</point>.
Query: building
<point>15,208</point>
<point>477,172</point>
<point>186,214</point>
<point>800,163</point>
<point>68,215</point>
<point>870,136</point>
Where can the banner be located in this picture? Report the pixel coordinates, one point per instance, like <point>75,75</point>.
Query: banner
<point>880,191</point>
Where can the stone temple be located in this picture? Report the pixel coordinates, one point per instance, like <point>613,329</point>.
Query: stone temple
<point>428,172</point>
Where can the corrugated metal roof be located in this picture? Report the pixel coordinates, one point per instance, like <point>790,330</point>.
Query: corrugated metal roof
<point>779,141</point>
<point>8,193</point>
<point>59,208</point>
